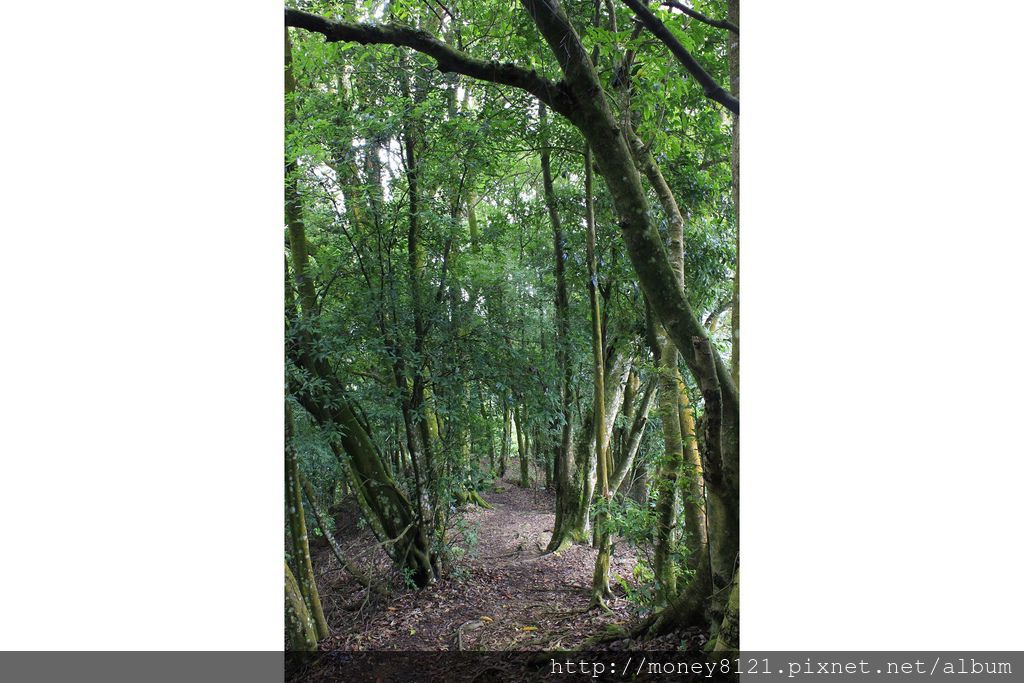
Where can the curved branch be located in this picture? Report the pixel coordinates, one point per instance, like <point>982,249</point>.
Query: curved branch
<point>594,118</point>
<point>719,310</point>
<point>717,23</point>
<point>448,59</point>
<point>711,88</point>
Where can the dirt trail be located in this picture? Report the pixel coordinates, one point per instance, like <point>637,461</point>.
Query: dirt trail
<point>505,595</point>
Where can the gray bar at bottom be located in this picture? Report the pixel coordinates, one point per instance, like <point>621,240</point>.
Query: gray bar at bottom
<point>141,667</point>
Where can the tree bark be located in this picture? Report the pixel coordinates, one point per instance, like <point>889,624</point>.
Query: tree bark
<point>421,398</point>
<point>306,580</point>
<point>631,444</point>
<point>292,200</point>
<point>734,87</point>
<point>506,436</point>
<point>567,493</point>
<point>728,638</point>
<point>694,506</point>
<point>524,458</point>
<point>668,474</point>
<point>600,588</point>
<point>300,630</point>
<point>688,466</point>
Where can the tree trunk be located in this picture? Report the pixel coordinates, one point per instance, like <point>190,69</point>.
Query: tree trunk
<point>694,506</point>
<point>567,493</point>
<point>354,571</point>
<point>616,370</point>
<point>599,588</point>
<point>689,464</point>
<point>384,504</point>
<point>668,392</point>
<point>668,473</point>
<point>300,630</point>
<point>524,458</point>
<point>292,201</point>
<point>492,454</point>
<point>734,88</point>
<point>297,526</point>
<point>721,474</point>
<point>506,437</point>
<point>421,398</point>
<point>728,638</point>
<point>632,438</point>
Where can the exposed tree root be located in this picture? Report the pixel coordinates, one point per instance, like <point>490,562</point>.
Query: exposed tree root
<point>466,496</point>
<point>562,546</point>
<point>598,601</point>
<point>478,500</point>
<point>686,609</point>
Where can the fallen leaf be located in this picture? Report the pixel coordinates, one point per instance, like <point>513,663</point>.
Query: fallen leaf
<point>486,619</point>
<point>529,628</point>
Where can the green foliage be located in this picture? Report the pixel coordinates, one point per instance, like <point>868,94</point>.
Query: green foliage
<point>418,302</point>
<point>639,592</point>
<point>407,578</point>
<point>467,537</point>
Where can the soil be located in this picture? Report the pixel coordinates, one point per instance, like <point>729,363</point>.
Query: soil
<point>505,594</point>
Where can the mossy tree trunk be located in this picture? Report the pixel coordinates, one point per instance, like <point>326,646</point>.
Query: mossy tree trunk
<point>306,580</point>
<point>567,492</point>
<point>356,573</point>
<point>506,440</point>
<point>488,435</point>
<point>382,501</point>
<point>734,88</point>
<point>692,491</point>
<point>682,457</point>
<point>616,369</point>
<point>599,588</point>
<point>670,399</point>
<point>299,628</point>
<point>631,439</point>
<point>728,637</point>
<point>667,475</point>
<point>519,417</point>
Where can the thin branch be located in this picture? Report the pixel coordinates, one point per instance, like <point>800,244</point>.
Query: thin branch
<point>711,88</point>
<point>717,23</point>
<point>719,310</point>
<point>446,10</point>
<point>448,59</point>
<point>356,573</point>
<point>440,19</point>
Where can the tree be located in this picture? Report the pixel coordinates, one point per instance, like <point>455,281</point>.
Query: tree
<point>486,325</point>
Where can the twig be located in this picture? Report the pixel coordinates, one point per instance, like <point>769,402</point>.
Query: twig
<point>717,23</point>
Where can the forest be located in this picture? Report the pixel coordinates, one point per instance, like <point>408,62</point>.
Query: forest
<point>512,323</point>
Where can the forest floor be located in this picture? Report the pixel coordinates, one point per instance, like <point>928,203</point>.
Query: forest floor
<point>505,594</point>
